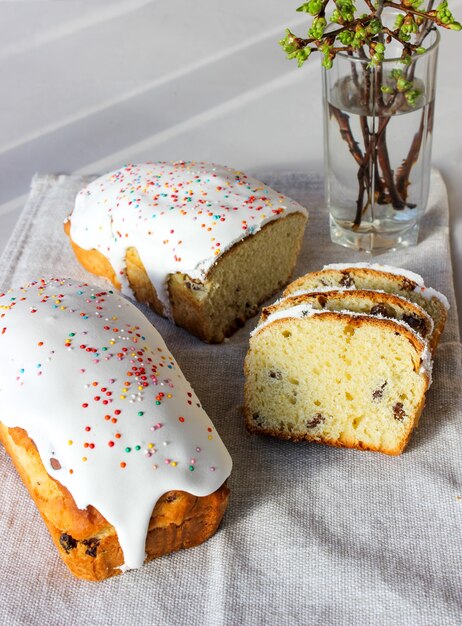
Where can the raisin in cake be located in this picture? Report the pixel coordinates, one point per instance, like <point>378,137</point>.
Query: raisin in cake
<point>106,433</point>
<point>203,244</point>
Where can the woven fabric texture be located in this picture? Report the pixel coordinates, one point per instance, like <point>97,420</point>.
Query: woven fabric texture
<point>313,535</point>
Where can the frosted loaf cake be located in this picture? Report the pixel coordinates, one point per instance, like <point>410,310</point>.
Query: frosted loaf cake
<point>203,244</point>
<point>106,433</point>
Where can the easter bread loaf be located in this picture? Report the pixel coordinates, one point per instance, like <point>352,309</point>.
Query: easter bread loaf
<point>106,433</point>
<point>203,244</point>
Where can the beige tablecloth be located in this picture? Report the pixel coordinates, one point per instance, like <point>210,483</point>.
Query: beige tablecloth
<point>313,535</point>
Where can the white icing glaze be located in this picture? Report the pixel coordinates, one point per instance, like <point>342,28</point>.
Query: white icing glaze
<point>426,365</point>
<point>297,311</point>
<point>88,377</point>
<point>320,289</point>
<point>181,217</point>
<point>427,292</point>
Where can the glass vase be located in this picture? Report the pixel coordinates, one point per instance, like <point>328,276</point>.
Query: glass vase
<point>378,123</point>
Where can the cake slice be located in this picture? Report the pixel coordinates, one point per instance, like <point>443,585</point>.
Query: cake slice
<point>339,378</point>
<point>203,244</point>
<point>377,303</point>
<point>383,278</point>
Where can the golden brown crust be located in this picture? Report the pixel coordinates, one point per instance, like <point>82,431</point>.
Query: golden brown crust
<point>92,260</point>
<point>86,542</point>
<point>348,272</point>
<point>335,443</point>
<point>139,281</point>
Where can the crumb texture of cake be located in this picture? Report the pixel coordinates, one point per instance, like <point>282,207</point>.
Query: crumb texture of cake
<point>203,244</point>
<point>346,380</point>
<point>345,358</point>
<point>106,433</point>
<point>394,280</point>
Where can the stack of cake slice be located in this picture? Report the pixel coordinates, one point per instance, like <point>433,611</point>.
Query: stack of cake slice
<point>344,358</point>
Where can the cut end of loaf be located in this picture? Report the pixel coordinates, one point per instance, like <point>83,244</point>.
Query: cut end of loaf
<point>244,277</point>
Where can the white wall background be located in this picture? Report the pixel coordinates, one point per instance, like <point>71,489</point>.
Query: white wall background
<point>88,85</point>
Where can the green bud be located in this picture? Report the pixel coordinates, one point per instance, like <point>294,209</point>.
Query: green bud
<point>346,37</point>
<point>347,9</point>
<point>420,50</point>
<point>317,28</point>
<point>374,27</point>
<point>396,73</point>
<point>403,85</point>
<point>315,6</point>
<point>290,44</point>
<point>399,20</point>
<point>327,63</point>
<point>404,34</point>
<point>444,16</point>
<point>302,56</point>
<point>379,47</point>
<point>411,96</point>
<point>335,17</point>
<point>376,59</point>
<point>347,16</point>
<point>455,26</point>
<point>386,89</point>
